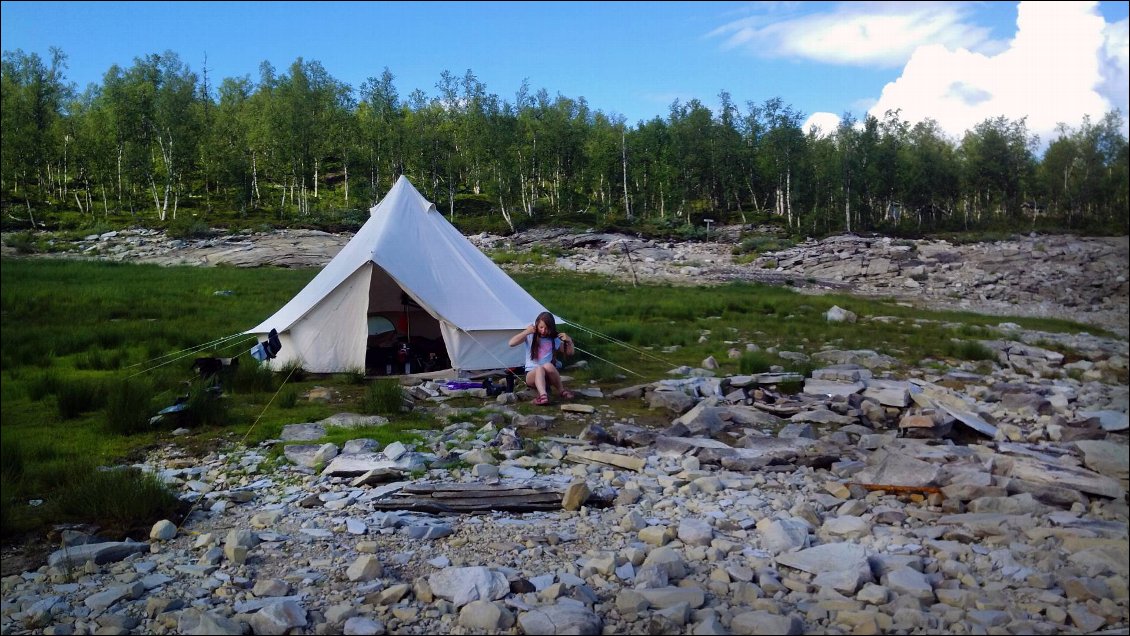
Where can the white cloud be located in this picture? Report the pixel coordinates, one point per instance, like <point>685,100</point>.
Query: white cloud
<point>1064,62</point>
<point>1115,65</point>
<point>862,33</point>
<point>825,123</point>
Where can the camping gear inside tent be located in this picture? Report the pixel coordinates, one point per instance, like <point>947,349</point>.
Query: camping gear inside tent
<point>408,287</point>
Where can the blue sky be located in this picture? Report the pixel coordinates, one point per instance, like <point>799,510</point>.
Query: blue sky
<point>955,62</point>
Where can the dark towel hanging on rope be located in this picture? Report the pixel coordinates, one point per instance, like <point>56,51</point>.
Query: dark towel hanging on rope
<point>268,349</point>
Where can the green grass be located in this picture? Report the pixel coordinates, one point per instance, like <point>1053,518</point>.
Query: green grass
<point>89,351</point>
<point>383,397</point>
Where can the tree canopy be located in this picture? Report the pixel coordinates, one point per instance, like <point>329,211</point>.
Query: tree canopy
<point>156,139</point>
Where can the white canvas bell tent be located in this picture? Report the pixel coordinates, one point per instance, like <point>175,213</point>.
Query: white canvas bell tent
<point>406,250</point>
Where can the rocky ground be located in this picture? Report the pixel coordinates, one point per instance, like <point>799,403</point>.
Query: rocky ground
<point>980,499</point>
<point>956,502</point>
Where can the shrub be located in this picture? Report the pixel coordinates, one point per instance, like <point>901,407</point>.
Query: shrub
<point>186,227</point>
<point>78,396</point>
<point>12,456</point>
<point>384,397</point>
<point>42,385</point>
<point>293,371</point>
<point>755,362</point>
<point>969,350</point>
<point>761,244</point>
<point>22,242</point>
<point>116,498</point>
<point>205,408</point>
<point>129,404</point>
<point>253,377</point>
<point>99,359</point>
<point>288,399</point>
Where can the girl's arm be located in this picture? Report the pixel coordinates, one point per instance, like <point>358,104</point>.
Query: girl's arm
<point>566,344</point>
<point>520,337</point>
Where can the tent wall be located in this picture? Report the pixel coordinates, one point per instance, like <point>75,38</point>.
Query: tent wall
<point>481,349</point>
<point>331,337</point>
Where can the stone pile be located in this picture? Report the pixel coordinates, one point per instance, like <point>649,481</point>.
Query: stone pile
<point>1079,278</point>
<point>956,502</point>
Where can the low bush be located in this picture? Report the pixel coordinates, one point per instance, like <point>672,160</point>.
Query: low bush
<point>753,362</point>
<point>384,397</point>
<point>79,395</point>
<point>99,359</point>
<point>252,377</point>
<point>288,398</point>
<point>205,408</point>
<point>118,498</point>
<point>129,405</point>
<point>969,350</point>
<point>43,385</point>
<point>762,244</point>
<point>22,242</point>
<point>187,227</point>
<point>12,456</point>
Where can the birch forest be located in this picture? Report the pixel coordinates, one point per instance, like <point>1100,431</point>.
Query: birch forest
<point>159,140</point>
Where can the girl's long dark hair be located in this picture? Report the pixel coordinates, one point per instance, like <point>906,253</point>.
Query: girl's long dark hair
<point>551,331</point>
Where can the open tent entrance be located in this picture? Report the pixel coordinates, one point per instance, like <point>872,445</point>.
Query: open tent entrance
<point>402,336</point>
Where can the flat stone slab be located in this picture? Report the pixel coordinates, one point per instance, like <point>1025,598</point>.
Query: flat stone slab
<point>354,420</point>
<point>1110,421</point>
<point>100,553</point>
<point>830,558</point>
<point>1107,458</point>
<point>1054,474</point>
<point>357,464</point>
<point>896,469</point>
<point>827,387</point>
<point>302,432</point>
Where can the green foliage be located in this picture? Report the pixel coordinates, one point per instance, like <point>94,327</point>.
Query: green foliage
<point>23,242</point>
<point>752,362</point>
<point>98,359</point>
<point>205,408</point>
<point>11,462</point>
<point>288,398</point>
<point>129,405</point>
<point>756,245</point>
<point>544,160</point>
<point>121,498</point>
<point>383,397</point>
<point>42,385</point>
<point>969,350</point>
<point>76,396</point>
<point>292,371</point>
<point>187,227</point>
<point>252,377</point>
<point>599,371</point>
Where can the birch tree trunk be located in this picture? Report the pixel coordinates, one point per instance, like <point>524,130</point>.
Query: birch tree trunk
<point>255,176</point>
<point>624,161</point>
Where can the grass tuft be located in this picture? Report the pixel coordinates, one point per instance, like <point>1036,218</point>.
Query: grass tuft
<point>384,397</point>
<point>119,498</point>
<point>79,395</point>
<point>129,405</point>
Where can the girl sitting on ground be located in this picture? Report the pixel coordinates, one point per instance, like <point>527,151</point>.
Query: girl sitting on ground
<point>542,340</point>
